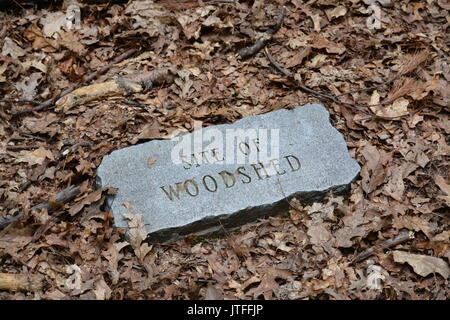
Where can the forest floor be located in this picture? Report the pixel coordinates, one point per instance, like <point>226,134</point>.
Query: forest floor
<point>389,239</point>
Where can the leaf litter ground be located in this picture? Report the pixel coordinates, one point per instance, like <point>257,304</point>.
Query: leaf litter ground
<point>391,59</point>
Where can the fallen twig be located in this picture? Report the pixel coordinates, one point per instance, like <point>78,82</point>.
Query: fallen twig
<point>6,221</point>
<point>86,79</point>
<point>315,93</point>
<point>19,101</point>
<point>264,38</point>
<point>332,97</point>
<point>136,104</point>
<point>190,4</point>
<point>62,197</point>
<point>401,237</point>
<point>124,85</point>
<point>21,282</point>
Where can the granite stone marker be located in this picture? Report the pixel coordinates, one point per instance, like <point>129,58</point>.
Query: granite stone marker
<point>227,175</point>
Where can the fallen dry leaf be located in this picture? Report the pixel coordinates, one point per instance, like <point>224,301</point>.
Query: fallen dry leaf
<point>35,157</point>
<point>423,265</point>
<point>212,293</point>
<point>12,49</point>
<point>396,109</point>
<point>336,12</point>
<point>395,186</point>
<point>52,23</point>
<point>150,131</point>
<point>444,186</point>
<point>373,172</point>
<point>319,234</point>
<point>102,290</point>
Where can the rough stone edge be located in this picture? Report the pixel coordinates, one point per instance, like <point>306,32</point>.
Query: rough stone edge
<point>212,225</point>
<point>218,224</point>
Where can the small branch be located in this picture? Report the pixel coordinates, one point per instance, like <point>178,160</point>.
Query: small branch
<point>21,282</point>
<point>136,104</point>
<point>6,221</point>
<point>332,97</point>
<point>62,197</point>
<point>116,60</point>
<point>19,101</point>
<point>315,93</point>
<point>262,40</point>
<point>123,85</point>
<point>88,78</point>
<point>276,65</point>
<point>401,237</point>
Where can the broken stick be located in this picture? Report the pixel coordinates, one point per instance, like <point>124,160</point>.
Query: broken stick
<point>332,97</point>
<point>401,237</point>
<point>262,40</point>
<point>62,197</point>
<point>124,85</point>
<point>21,282</point>
<point>88,78</point>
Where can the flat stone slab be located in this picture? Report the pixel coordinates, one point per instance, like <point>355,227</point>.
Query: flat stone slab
<point>227,175</point>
